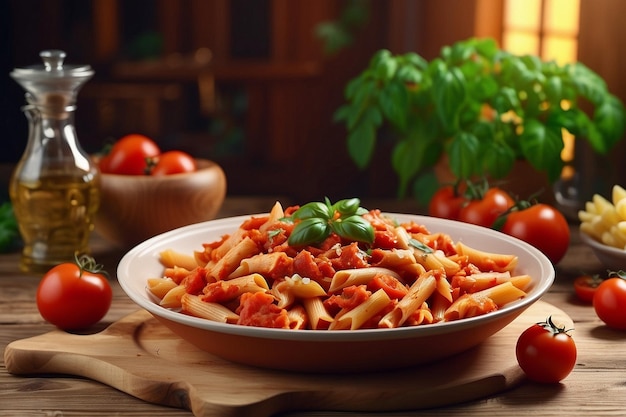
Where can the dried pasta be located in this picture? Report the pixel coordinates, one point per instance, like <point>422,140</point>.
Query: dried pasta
<point>254,277</point>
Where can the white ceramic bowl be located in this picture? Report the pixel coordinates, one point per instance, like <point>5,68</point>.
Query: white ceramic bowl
<point>336,351</point>
<point>611,258</point>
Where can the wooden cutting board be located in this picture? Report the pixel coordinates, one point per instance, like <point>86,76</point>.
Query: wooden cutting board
<point>141,357</point>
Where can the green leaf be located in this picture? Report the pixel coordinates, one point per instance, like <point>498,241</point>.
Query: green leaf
<point>394,101</point>
<point>385,69</point>
<point>354,228</point>
<point>449,94</point>
<point>463,154</point>
<point>407,160</point>
<point>498,159</point>
<point>609,119</point>
<point>542,148</point>
<point>309,231</point>
<point>313,209</point>
<point>421,246</point>
<point>415,61</point>
<point>361,144</point>
<point>553,90</point>
<point>588,83</point>
<point>347,207</point>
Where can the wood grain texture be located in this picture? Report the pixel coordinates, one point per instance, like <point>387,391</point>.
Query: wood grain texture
<point>141,357</point>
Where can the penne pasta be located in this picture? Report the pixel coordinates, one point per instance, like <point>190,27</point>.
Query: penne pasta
<point>488,261</point>
<point>407,276</point>
<point>355,318</point>
<point>418,293</point>
<point>232,259</point>
<point>193,305</point>
<point>172,299</point>
<point>348,277</point>
<point>159,287</point>
<point>319,318</point>
<point>170,258</point>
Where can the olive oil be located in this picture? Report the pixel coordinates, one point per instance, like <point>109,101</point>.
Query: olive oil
<point>55,216</point>
<point>55,187</point>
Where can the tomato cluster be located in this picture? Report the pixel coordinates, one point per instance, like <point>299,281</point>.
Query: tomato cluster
<point>607,295</point>
<point>493,207</point>
<point>137,154</point>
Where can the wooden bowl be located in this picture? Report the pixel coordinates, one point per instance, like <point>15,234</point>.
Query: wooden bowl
<point>337,350</point>
<point>134,208</point>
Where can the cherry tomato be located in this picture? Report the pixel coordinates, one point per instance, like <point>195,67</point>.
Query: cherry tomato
<point>484,211</point>
<point>129,155</point>
<point>173,162</point>
<point>446,203</point>
<point>609,302</point>
<point>542,226</point>
<point>74,296</point>
<point>585,287</point>
<point>545,352</point>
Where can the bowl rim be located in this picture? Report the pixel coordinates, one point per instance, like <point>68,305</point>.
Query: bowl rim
<point>202,166</point>
<point>596,244</point>
<point>145,301</point>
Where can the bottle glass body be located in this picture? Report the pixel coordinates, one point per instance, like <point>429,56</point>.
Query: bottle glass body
<point>54,190</point>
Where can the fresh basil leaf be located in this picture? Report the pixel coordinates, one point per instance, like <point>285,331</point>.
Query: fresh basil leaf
<point>314,209</point>
<point>354,228</point>
<point>309,231</point>
<point>347,207</point>
<point>419,245</point>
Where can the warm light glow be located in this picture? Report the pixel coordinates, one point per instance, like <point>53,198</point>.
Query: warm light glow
<point>561,16</point>
<point>521,43</point>
<point>523,14</point>
<point>548,28</point>
<point>561,50</point>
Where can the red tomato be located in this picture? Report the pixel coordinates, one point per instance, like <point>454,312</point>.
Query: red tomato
<point>609,302</point>
<point>585,287</point>
<point>446,203</point>
<point>74,296</point>
<point>391,285</point>
<point>484,211</point>
<point>173,162</point>
<point>542,226</point>
<point>545,352</point>
<point>129,155</point>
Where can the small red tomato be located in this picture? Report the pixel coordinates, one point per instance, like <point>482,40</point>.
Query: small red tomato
<point>545,352</point>
<point>542,226</point>
<point>585,287</point>
<point>446,203</point>
<point>74,296</point>
<point>485,210</point>
<point>173,162</point>
<point>609,302</point>
<point>129,155</point>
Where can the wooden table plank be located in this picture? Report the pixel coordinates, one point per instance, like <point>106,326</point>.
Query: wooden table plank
<point>596,387</point>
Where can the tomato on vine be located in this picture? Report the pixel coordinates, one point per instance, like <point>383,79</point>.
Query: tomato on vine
<point>541,225</point>
<point>129,155</point>
<point>74,296</point>
<point>585,286</point>
<point>609,300</point>
<point>447,202</point>
<point>484,207</point>
<point>171,162</point>
<point>546,352</point>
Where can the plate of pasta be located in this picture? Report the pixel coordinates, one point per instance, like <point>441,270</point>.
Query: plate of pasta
<point>334,287</point>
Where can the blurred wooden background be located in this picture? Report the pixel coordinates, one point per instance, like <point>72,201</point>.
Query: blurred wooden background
<point>248,84</point>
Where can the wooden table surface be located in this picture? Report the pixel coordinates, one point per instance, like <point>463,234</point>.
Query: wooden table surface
<point>596,387</point>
